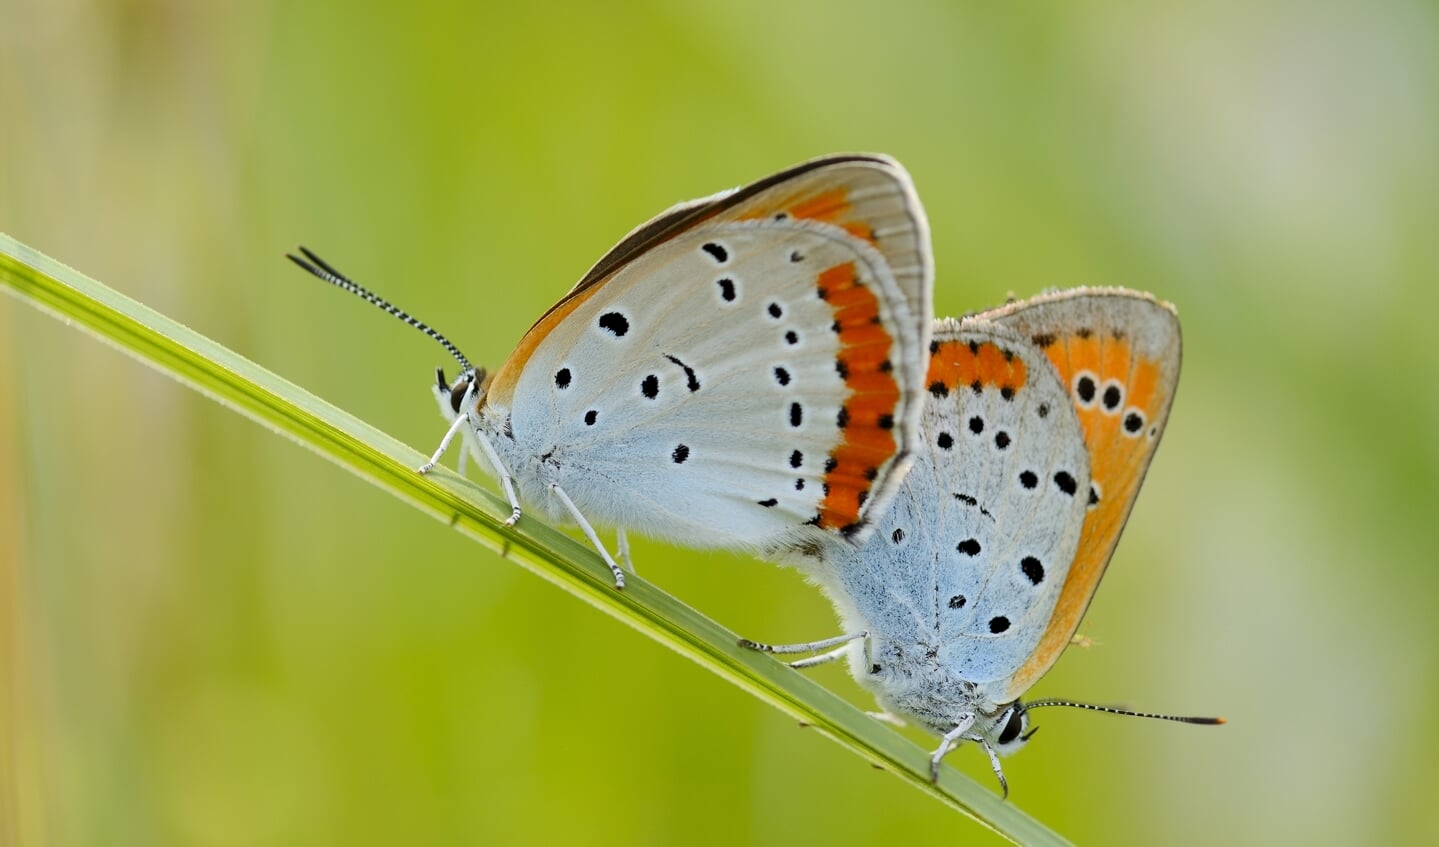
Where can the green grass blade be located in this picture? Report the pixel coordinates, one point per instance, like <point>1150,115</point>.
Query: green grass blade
<point>289,410</point>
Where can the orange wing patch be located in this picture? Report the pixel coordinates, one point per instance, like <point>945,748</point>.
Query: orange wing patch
<point>832,207</point>
<point>953,364</point>
<point>866,419</point>
<point>1118,397</point>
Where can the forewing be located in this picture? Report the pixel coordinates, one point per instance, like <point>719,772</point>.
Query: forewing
<point>743,382</point>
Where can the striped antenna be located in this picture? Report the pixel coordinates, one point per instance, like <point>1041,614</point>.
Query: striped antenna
<point>322,269</point>
<point>1115,710</point>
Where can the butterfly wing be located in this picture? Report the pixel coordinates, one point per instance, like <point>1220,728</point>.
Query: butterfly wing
<point>740,369</point>
<point>1117,352</point>
<point>869,195</point>
<point>967,565</point>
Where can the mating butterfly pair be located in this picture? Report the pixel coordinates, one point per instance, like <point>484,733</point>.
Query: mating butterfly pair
<point>756,370</point>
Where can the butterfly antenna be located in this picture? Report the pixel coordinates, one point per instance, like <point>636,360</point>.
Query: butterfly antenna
<point>322,269</point>
<point>1115,710</point>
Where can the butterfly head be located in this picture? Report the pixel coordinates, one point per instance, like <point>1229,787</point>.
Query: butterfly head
<point>470,383</point>
<point>1011,730</point>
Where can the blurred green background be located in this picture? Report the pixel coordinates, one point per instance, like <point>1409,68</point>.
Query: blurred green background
<point>212,637</point>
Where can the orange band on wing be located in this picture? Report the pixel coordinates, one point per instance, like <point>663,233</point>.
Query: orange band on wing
<point>1117,462</point>
<point>830,206</point>
<point>867,417</point>
<point>953,364</point>
<point>826,206</point>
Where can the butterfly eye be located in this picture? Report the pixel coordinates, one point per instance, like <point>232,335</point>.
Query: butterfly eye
<point>462,386</point>
<point>1013,727</point>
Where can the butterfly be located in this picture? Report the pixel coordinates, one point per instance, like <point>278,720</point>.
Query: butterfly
<point>1041,420</point>
<point>744,370</point>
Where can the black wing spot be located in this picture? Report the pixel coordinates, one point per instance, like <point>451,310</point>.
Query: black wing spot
<point>1044,339</point>
<point>1001,440</point>
<point>939,389</point>
<point>841,420</point>
<point>1133,423</point>
<point>1028,479</point>
<point>562,378</point>
<point>799,485</point>
<point>1032,569</point>
<point>1112,397</point>
<point>591,416</point>
<point>691,381</point>
<point>727,290</point>
<point>681,453</point>
<point>796,414</point>
<point>796,256</point>
<point>775,310</point>
<point>615,324</point>
<point>841,367</point>
<point>897,536</point>
<point>967,500</point>
<point>1093,496</point>
<point>945,441</point>
<point>791,338</point>
<point>770,503</point>
<point>796,459</point>
<point>977,387</point>
<point>1066,483</point>
<point>1084,388</point>
<point>886,421</point>
<point>1043,410</point>
<point>998,624</point>
<point>1007,392</point>
<point>650,387</point>
<point>957,601</point>
<point>781,376</point>
<point>717,251</point>
<point>976,424</point>
<point>969,547</point>
<point>830,464</point>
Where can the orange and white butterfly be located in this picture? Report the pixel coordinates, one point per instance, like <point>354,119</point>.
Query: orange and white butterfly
<point>1042,418</point>
<point>745,370</point>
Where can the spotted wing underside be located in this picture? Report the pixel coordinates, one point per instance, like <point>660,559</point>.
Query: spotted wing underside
<point>968,562</point>
<point>1117,352</point>
<point>774,333</point>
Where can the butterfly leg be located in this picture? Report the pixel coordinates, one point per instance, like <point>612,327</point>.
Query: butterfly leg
<point>507,482</point>
<point>450,434</point>
<point>589,532</point>
<point>993,763</point>
<point>622,548</point>
<point>839,651</point>
<point>948,742</point>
